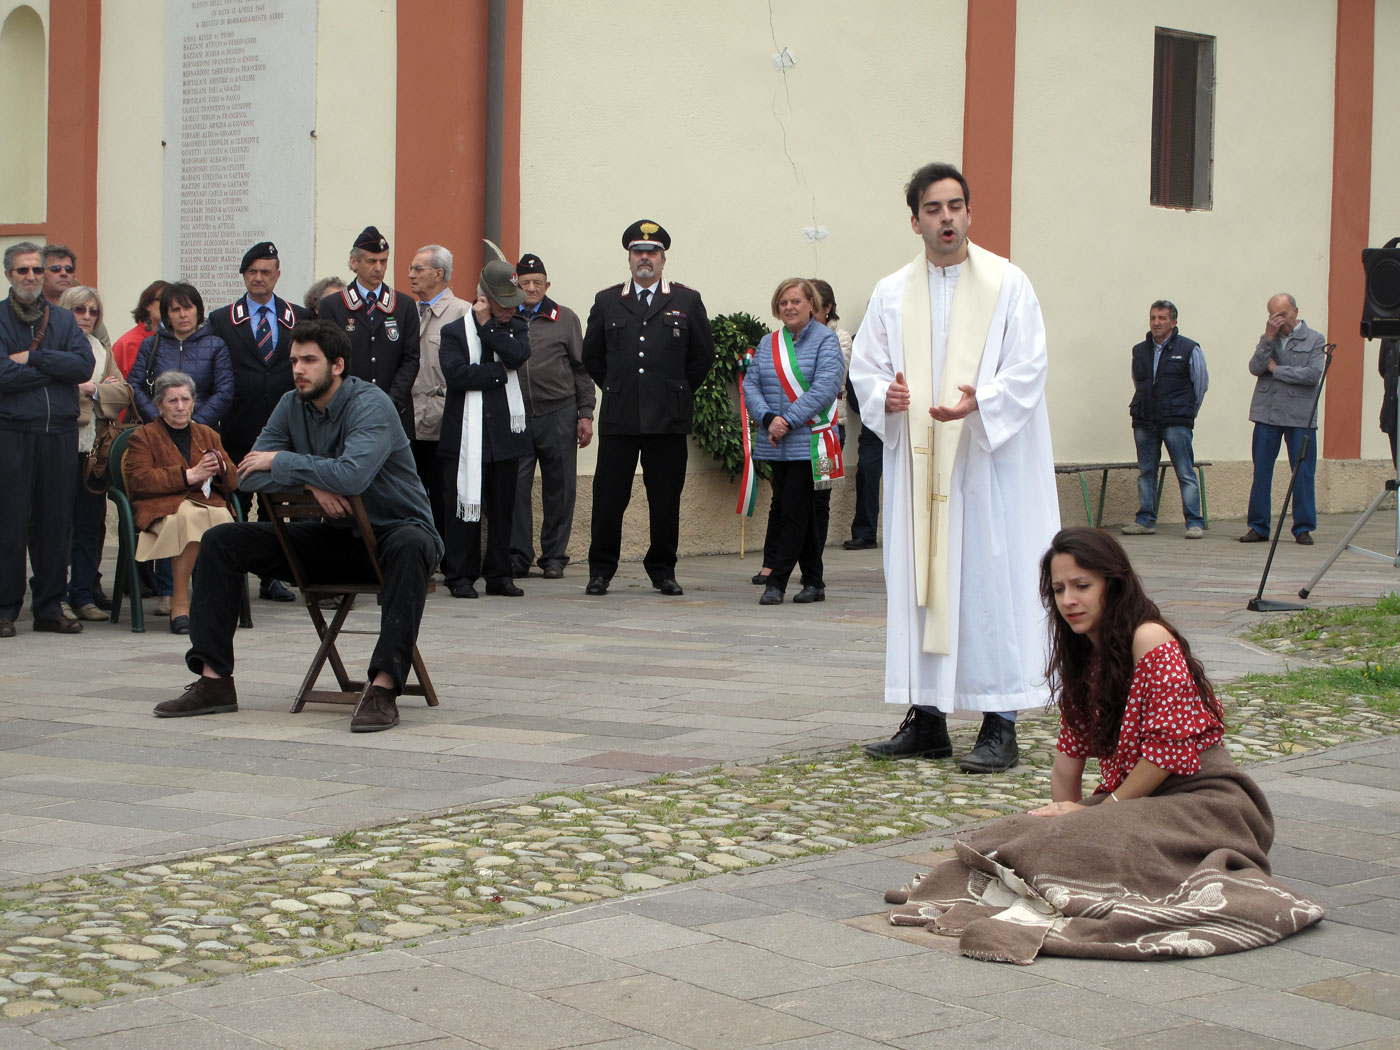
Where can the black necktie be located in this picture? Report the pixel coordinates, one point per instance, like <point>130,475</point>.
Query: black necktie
<point>264,335</point>
<point>423,309</point>
<point>644,297</point>
<point>370,299</point>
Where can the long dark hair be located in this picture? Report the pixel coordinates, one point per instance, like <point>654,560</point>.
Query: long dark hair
<point>1091,684</point>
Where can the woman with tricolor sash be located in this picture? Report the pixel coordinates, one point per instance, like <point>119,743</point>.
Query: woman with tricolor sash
<point>790,393</point>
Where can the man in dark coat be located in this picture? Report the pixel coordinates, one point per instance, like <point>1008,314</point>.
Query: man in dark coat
<point>382,324</point>
<point>257,329</point>
<point>483,433</point>
<point>648,345</point>
<point>43,357</point>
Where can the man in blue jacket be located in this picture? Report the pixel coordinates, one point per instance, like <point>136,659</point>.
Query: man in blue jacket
<point>1169,384</point>
<point>43,357</point>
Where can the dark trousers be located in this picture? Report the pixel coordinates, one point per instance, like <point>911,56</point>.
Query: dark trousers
<point>245,501</point>
<point>798,540</point>
<point>821,510</point>
<point>327,552</point>
<point>429,467</point>
<point>870,467</point>
<point>663,458</point>
<point>89,533</point>
<point>36,472</point>
<point>461,559</point>
<point>555,439</point>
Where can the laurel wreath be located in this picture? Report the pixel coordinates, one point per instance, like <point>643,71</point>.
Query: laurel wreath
<point>716,424</point>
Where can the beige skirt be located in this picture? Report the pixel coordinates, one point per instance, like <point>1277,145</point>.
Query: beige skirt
<point>166,537</point>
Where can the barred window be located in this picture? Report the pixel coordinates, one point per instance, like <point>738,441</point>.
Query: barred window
<point>1183,119</point>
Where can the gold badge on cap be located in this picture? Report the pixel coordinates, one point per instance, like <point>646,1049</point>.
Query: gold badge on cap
<point>648,228</point>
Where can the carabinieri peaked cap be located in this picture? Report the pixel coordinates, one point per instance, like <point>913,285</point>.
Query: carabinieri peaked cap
<point>646,234</point>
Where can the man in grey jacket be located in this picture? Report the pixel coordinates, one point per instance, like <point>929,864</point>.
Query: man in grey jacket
<point>1288,361</point>
<point>333,436</point>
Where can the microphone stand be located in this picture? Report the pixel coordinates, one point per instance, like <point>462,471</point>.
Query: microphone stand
<point>1259,603</point>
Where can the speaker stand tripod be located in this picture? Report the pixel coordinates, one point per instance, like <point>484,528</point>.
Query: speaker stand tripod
<point>1346,544</point>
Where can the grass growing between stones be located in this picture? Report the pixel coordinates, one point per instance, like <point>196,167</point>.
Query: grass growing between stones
<point>1366,634</point>
<point>82,939</point>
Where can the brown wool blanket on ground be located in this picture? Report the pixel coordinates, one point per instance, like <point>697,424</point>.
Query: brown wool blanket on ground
<point>1183,872</point>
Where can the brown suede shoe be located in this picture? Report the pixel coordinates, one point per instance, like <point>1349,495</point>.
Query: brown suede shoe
<point>7,628</point>
<point>62,625</point>
<point>203,696</point>
<point>376,711</point>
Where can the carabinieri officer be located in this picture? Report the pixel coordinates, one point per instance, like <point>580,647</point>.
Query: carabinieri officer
<point>382,324</point>
<point>648,345</point>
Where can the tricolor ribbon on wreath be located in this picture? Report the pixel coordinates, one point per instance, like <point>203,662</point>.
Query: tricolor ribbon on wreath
<point>827,465</point>
<point>748,477</point>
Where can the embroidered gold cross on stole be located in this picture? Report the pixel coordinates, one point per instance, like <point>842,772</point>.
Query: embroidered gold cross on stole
<point>934,496</point>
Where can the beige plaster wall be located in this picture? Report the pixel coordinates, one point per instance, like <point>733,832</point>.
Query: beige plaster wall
<point>1098,253</point>
<point>24,86</point>
<point>130,158</point>
<point>356,42</point>
<point>731,157</point>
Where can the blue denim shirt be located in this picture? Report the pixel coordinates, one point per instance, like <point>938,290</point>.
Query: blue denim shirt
<point>356,447</point>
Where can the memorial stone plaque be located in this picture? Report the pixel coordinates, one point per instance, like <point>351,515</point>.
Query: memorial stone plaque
<point>240,162</point>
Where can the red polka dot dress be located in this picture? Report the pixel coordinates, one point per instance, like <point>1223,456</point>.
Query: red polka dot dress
<point>1164,721</point>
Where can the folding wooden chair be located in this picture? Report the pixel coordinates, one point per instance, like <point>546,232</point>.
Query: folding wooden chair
<point>290,507</point>
<point>128,583</point>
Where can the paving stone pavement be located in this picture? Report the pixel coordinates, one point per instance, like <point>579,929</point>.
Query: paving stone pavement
<point>555,692</point>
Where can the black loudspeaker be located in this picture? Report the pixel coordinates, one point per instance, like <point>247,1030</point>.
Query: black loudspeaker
<point>1380,317</point>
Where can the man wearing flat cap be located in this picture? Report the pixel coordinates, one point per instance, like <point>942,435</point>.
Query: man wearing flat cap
<point>483,433</point>
<point>257,330</point>
<point>559,397</point>
<point>382,324</point>
<point>648,345</point>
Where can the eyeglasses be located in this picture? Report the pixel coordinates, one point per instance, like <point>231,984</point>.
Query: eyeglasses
<point>25,271</point>
<point>85,310</point>
<point>415,268</point>
<point>61,269</point>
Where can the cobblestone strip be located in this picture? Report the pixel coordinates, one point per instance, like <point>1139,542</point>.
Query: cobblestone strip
<point>87,938</point>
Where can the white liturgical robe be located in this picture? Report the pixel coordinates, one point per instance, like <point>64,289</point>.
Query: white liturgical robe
<point>1002,508</point>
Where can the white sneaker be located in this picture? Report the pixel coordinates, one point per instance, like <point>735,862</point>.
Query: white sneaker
<point>1134,529</point>
<point>1194,532</point>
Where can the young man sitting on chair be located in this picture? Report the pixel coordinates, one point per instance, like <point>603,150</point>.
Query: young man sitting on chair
<point>334,436</point>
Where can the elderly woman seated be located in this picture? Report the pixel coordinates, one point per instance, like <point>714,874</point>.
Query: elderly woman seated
<point>179,479</point>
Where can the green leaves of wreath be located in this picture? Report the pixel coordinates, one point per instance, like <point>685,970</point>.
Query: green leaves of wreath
<point>716,425</point>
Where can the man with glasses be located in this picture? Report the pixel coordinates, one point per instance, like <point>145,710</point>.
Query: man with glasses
<point>428,276</point>
<point>43,357</point>
<point>60,270</point>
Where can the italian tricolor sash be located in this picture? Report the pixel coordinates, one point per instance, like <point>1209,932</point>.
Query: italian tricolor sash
<point>827,465</point>
<point>748,478</point>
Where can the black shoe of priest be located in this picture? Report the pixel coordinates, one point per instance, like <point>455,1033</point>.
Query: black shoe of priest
<point>995,749</point>
<point>920,734</point>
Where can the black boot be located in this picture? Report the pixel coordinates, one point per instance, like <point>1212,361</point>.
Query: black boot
<point>920,734</point>
<point>995,749</point>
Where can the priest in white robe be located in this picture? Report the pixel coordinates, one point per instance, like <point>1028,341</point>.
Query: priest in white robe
<point>953,347</point>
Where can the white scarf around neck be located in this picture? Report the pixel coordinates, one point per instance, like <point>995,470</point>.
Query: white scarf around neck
<point>469,452</point>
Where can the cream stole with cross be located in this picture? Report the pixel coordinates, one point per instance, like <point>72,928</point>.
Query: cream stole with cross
<point>935,445</point>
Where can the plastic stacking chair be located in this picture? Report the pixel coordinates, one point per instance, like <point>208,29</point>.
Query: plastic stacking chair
<point>128,582</point>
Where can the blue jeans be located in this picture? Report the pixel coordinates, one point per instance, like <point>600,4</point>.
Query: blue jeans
<point>1265,451</point>
<point>1149,455</point>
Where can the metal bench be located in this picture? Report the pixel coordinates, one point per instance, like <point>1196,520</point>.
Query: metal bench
<point>1083,469</point>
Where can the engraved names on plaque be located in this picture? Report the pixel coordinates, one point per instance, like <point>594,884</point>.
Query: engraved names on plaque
<point>240,163</point>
